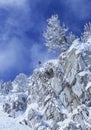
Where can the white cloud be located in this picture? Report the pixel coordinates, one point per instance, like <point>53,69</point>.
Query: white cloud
<point>12,38</point>
<point>11,56</point>
<point>18,3</point>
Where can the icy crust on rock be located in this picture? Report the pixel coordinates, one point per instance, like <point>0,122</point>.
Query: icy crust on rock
<point>57,96</point>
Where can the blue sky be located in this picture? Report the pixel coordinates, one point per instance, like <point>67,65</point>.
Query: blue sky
<point>22,23</point>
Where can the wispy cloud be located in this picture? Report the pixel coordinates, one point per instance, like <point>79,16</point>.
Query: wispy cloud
<point>18,3</point>
<point>11,56</point>
<point>14,23</point>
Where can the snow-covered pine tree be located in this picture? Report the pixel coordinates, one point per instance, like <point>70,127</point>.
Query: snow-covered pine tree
<point>87,32</point>
<point>70,38</point>
<point>55,35</point>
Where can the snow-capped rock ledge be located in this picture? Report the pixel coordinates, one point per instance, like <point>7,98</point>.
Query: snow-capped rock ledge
<point>59,93</point>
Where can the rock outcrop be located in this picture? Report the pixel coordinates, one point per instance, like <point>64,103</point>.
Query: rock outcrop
<point>62,91</point>
<point>59,93</point>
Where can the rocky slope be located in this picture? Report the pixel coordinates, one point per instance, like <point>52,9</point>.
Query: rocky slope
<point>58,95</point>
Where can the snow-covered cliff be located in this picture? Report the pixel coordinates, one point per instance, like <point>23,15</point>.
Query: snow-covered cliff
<point>58,95</point>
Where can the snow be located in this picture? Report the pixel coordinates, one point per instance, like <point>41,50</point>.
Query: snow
<point>87,124</point>
<point>31,106</point>
<point>89,39</point>
<point>88,85</point>
<point>80,46</point>
<point>53,62</point>
<point>84,73</point>
<point>8,123</point>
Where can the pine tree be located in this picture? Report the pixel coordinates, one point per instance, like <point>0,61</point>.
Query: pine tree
<point>86,33</point>
<point>55,33</point>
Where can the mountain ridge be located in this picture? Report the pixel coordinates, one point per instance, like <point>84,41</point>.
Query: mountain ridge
<point>57,95</point>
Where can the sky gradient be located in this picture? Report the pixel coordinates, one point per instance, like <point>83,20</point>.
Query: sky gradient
<point>21,27</point>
